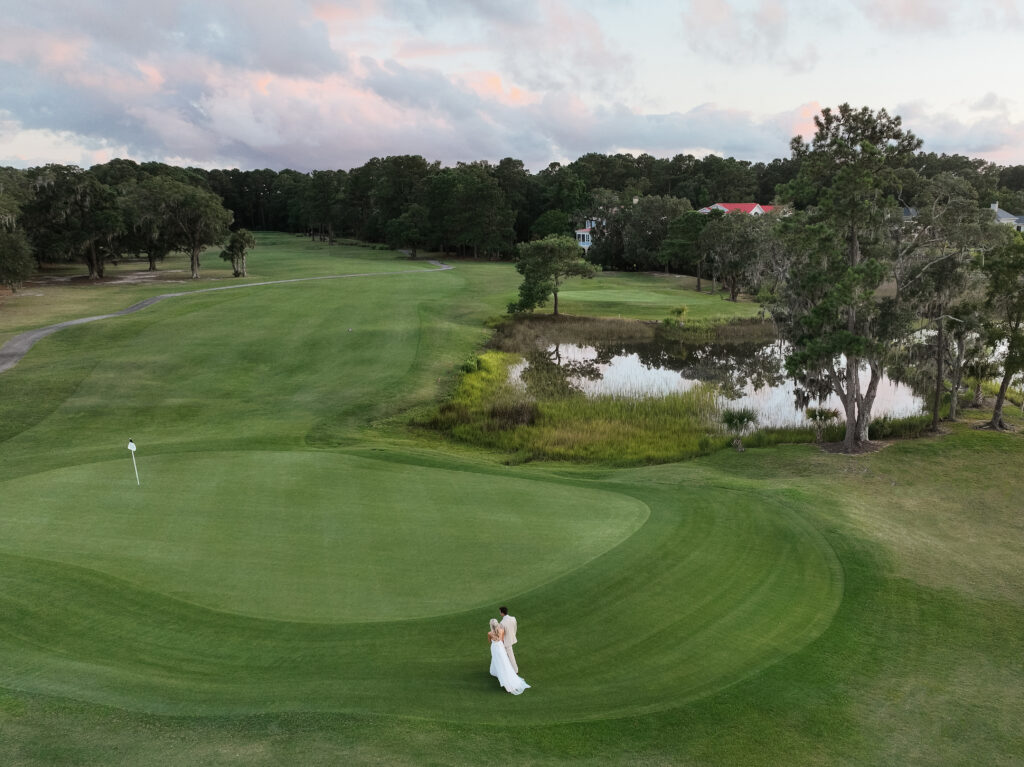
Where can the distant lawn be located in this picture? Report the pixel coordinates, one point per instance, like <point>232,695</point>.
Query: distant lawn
<point>301,579</point>
<point>648,297</point>
<point>62,291</point>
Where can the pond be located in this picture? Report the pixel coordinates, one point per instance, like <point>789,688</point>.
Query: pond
<point>748,374</point>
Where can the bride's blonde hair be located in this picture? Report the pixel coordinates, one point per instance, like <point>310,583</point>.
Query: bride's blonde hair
<point>494,625</point>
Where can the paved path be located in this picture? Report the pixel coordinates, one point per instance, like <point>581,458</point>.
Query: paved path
<point>12,351</point>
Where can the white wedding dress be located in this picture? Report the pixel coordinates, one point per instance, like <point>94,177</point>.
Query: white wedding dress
<point>501,667</point>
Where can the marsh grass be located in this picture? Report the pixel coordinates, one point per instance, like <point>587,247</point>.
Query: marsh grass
<point>737,330</point>
<point>488,411</point>
<point>910,427</point>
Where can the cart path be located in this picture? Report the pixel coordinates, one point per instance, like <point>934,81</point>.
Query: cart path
<point>17,347</point>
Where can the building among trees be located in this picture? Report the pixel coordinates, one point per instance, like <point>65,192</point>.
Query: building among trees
<point>751,208</point>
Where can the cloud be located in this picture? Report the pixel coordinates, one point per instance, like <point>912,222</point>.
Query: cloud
<point>908,14</point>
<point>917,16</point>
<point>491,85</point>
<point>26,148</point>
<point>992,102</point>
<point>224,85</point>
<point>735,35</point>
<point>284,36</point>
<point>321,84</point>
<point>993,135</point>
<point>552,45</point>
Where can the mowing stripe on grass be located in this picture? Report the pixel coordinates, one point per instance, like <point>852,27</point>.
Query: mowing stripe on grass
<point>17,347</point>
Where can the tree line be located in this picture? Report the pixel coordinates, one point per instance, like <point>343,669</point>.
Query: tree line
<point>479,208</point>
<point>60,212</point>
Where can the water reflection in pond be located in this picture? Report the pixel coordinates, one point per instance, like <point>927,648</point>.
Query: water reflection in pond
<point>746,374</point>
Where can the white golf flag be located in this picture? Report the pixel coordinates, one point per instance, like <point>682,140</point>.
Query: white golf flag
<point>131,446</point>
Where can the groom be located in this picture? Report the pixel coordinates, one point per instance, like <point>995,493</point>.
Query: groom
<point>509,624</point>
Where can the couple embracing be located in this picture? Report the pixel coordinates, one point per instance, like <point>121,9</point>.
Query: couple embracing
<point>503,659</point>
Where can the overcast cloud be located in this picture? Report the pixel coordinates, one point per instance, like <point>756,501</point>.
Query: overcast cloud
<point>319,84</point>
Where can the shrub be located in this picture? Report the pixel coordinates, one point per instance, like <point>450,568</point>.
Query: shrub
<point>820,417</point>
<point>899,428</point>
<point>737,421</point>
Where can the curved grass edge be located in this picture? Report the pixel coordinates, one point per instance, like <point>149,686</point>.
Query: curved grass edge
<point>451,632</point>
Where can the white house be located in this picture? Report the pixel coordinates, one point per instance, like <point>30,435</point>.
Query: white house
<point>1004,217</point>
<point>584,236</point>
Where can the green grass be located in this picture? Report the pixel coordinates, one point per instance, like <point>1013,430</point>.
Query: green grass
<point>62,291</point>
<point>647,297</point>
<point>302,580</point>
<point>1014,396</point>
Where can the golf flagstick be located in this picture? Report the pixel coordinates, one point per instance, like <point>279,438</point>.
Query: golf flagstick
<point>131,446</point>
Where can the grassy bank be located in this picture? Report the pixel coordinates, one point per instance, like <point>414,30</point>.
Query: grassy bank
<point>487,411</point>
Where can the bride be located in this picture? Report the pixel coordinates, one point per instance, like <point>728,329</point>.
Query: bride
<point>500,665</point>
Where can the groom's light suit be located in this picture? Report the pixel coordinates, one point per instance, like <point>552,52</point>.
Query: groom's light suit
<point>509,624</point>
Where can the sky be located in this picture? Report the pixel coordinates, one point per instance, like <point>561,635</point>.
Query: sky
<point>321,84</point>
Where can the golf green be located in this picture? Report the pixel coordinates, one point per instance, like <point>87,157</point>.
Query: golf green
<point>365,543</point>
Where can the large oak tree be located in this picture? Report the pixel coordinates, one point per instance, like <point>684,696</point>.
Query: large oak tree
<point>841,254</point>
<point>193,214</point>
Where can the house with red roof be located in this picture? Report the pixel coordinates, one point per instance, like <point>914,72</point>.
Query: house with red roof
<point>750,208</point>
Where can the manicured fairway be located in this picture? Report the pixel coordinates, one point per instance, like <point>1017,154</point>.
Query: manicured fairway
<point>302,580</point>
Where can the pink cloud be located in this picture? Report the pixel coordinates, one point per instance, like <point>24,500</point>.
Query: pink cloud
<point>152,75</point>
<point>336,14</point>
<point>262,83</point>
<point>489,85</point>
<point>802,123</point>
<point>706,16</point>
<point>21,45</point>
<point>73,61</point>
